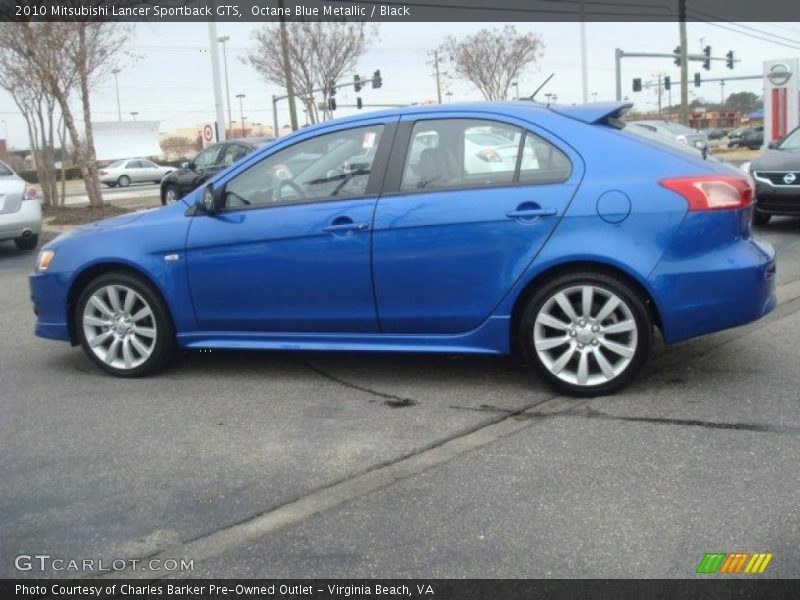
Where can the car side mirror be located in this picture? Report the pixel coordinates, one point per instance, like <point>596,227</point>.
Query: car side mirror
<point>212,200</point>
<point>188,165</point>
<point>773,144</point>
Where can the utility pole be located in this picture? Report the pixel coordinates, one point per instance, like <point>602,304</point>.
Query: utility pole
<point>241,111</point>
<point>218,105</point>
<point>659,95</point>
<point>287,68</point>
<point>437,75</point>
<point>684,64</point>
<point>222,41</point>
<point>584,67</point>
<point>116,85</point>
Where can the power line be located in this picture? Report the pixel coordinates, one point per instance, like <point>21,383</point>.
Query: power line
<point>757,37</point>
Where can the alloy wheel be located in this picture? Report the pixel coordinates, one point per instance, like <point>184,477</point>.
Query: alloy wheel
<point>119,326</point>
<point>585,335</point>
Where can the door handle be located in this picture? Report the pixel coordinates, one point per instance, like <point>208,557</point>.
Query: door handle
<point>340,227</point>
<point>531,213</point>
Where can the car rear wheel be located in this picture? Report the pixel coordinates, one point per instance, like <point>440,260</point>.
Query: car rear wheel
<point>123,325</point>
<point>124,181</point>
<point>586,334</point>
<point>27,243</point>
<point>111,185</point>
<point>760,218</point>
<point>170,195</point>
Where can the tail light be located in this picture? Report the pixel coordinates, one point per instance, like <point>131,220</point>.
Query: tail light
<point>489,155</point>
<point>101,173</point>
<point>712,193</point>
<point>30,193</point>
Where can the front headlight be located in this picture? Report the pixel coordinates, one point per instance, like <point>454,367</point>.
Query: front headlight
<point>44,259</point>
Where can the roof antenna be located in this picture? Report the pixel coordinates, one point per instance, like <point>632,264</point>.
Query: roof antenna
<point>532,97</point>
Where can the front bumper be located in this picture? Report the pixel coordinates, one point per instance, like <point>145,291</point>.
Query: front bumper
<point>27,218</point>
<point>778,200</point>
<point>49,298</point>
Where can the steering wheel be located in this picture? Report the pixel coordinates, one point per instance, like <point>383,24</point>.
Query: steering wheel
<point>287,183</point>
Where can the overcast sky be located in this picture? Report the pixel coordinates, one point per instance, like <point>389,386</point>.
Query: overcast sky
<point>170,80</point>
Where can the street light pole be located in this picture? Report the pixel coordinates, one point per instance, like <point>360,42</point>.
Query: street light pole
<point>287,68</point>
<point>116,85</point>
<point>241,111</point>
<point>222,41</point>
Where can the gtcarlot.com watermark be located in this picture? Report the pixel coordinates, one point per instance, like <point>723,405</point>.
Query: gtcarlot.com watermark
<point>48,563</point>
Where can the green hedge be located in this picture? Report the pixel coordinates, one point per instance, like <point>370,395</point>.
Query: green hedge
<point>33,177</point>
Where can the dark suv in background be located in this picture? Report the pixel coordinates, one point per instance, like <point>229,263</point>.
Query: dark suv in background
<point>777,177</point>
<point>209,162</point>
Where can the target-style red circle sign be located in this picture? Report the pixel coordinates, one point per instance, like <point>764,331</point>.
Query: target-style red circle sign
<point>208,133</point>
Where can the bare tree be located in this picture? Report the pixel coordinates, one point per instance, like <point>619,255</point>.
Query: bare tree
<point>69,58</point>
<point>38,108</point>
<point>176,146</point>
<point>320,53</point>
<point>492,59</point>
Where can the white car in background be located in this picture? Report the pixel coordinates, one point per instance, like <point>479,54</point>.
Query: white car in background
<point>20,210</point>
<point>124,172</point>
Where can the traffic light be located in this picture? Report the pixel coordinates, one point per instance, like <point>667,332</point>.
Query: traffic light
<point>359,103</point>
<point>677,53</point>
<point>707,58</point>
<point>331,103</point>
<point>730,60</point>
<point>697,80</point>
<point>667,83</point>
<point>357,83</point>
<point>637,85</point>
<point>376,80</point>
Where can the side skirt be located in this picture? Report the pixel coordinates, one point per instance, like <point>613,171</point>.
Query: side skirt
<point>492,337</point>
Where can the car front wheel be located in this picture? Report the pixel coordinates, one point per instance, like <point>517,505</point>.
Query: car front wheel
<point>587,334</point>
<point>170,195</point>
<point>123,325</point>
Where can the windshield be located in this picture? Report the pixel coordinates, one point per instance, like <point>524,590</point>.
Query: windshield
<point>677,128</point>
<point>116,164</point>
<point>5,171</point>
<point>791,141</point>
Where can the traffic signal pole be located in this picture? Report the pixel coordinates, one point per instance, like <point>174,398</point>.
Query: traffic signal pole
<point>684,64</point>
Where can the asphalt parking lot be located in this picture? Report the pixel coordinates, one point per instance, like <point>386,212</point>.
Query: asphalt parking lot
<point>358,465</point>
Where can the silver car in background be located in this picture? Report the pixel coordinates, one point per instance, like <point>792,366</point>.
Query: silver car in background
<point>124,172</point>
<point>20,210</point>
<point>679,133</point>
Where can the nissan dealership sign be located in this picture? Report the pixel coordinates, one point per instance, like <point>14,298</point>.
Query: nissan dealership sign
<point>781,110</point>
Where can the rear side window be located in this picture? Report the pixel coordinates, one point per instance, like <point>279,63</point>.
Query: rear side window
<point>463,153</point>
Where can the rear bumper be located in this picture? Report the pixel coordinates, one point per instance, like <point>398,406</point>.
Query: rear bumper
<point>27,218</point>
<point>711,291</point>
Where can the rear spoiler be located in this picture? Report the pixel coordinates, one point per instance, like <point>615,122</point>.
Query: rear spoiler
<point>594,113</point>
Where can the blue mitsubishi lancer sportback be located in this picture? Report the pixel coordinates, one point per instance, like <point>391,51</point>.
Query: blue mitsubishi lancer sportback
<point>554,231</point>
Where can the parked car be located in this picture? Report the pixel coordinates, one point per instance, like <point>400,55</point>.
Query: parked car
<point>713,133</point>
<point>20,210</point>
<point>207,163</point>
<point>747,138</point>
<point>680,133</point>
<point>124,172</point>
<point>777,177</point>
<point>573,261</point>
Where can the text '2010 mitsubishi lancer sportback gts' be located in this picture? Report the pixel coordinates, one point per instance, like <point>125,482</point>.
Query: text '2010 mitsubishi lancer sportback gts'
<point>477,228</point>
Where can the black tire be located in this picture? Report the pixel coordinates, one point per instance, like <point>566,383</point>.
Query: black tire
<point>760,218</point>
<point>164,346</point>
<point>123,181</point>
<point>165,191</point>
<point>607,282</point>
<point>111,185</point>
<point>27,243</point>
